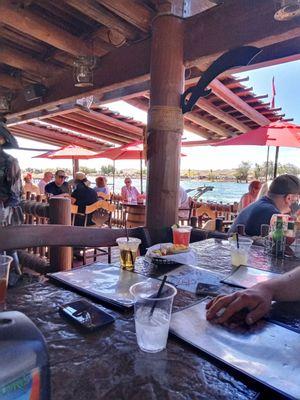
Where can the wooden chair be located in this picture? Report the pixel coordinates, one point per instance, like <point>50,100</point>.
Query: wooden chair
<point>104,196</point>
<point>99,221</point>
<point>204,213</point>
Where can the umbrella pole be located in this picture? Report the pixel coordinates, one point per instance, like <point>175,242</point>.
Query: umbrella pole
<point>276,161</point>
<point>267,166</point>
<point>114,176</point>
<point>75,165</point>
<point>141,173</point>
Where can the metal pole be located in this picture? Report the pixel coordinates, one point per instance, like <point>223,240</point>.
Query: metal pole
<point>114,163</point>
<point>276,161</point>
<point>267,167</point>
<point>141,172</point>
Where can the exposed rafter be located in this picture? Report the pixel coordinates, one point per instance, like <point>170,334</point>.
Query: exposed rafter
<point>236,102</point>
<point>116,72</point>
<point>41,29</point>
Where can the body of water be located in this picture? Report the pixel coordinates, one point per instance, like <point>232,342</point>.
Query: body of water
<point>227,192</point>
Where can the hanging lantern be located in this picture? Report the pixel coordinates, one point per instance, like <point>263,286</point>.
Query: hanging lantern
<point>4,104</point>
<point>83,71</point>
<point>287,9</point>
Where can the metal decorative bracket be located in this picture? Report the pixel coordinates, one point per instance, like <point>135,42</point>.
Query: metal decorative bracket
<point>233,58</point>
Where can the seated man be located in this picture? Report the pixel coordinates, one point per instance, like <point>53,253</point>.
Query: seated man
<point>256,300</point>
<point>83,196</point>
<point>59,186</point>
<point>283,192</point>
<point>48,176</point>
<point>251,196</point>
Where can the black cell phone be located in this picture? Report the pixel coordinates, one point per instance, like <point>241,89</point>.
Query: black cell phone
<point>207,289</point>
<point>86,315</point>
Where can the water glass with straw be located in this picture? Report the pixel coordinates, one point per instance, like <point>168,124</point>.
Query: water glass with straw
<point>152,313</point>
<point>239,249</point>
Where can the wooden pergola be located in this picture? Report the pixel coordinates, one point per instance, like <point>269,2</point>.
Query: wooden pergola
<point>147,51</point>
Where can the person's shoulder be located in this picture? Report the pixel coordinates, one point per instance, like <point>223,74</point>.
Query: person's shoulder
<point>49,185</point>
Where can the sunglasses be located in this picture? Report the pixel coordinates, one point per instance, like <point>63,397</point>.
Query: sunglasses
<point>62,176</point>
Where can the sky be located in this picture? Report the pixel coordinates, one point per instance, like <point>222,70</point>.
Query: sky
<point>287,84</point>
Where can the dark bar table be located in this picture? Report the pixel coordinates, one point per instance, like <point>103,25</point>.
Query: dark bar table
<point>108,364</point>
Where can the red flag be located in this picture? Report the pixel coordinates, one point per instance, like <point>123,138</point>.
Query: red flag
<point>273,93</point>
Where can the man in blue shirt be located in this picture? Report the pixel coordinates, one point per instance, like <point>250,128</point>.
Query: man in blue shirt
<point>283,192</point>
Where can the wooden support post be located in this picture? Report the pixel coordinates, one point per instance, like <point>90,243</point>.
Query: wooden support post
<point>60,214</point>
<point>165,121</point>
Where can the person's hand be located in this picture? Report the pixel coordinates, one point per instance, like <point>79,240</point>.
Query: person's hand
<point>257,301</point>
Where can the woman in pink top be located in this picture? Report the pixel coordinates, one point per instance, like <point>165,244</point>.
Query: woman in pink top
<point>251,196</point>
<point>129,193</point>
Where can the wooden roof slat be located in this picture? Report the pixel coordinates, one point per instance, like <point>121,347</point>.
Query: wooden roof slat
<point>82,127</point>
<point>41,132</point>
<point>134,13</point>
<point>33,25</point>
<point>104,17</point>
<point>235,101</point>
<point>205,123</point>
<point>109,120</point>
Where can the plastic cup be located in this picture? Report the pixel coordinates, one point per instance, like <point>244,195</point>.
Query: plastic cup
<point>5,262</point>
<point>182,235</point>
<point>239,255</point>
<point>128,251</point>
<point>152,323</point>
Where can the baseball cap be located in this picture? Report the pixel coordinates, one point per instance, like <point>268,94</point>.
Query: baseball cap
<point>80,176</point>
<point>285,184</point>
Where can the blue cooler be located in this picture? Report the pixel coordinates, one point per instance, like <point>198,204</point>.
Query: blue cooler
<point>24,362</point>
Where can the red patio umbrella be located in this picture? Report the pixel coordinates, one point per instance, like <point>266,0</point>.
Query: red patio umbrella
<point>131,151</point>
<point>278,134</point>
<point>70,152</point>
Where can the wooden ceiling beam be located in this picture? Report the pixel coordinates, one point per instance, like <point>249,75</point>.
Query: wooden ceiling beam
<point>207,124</point>
<point>134,13</point>
<point>118,133</point>
<point>24,62</point>
<point>50,134</point>
<point>239,22</point>
<point>39,28</point>
<point>81,127</point>
<point>112,121</point>
<point>250,22</point>
<point>10,82</point>
<point>236,102</point>
<point>104,17</point>
<point>207,106</point>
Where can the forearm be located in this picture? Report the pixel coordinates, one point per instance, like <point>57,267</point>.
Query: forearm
<point>286,287</point>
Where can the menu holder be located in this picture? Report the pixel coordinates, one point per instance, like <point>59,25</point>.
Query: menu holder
<point>104,282</point>
<point>187,277</point>
<point>245,277</point>
<point>265,352</point>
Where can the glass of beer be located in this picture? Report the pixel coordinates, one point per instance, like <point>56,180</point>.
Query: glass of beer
<point>128,251</point>
<point>5,262</point>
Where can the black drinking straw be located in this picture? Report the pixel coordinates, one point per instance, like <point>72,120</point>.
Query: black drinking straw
<point>158,295</point>
<point>237,241</point>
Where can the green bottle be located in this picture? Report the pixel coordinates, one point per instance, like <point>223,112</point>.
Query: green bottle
<point>278,237</point>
